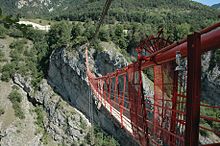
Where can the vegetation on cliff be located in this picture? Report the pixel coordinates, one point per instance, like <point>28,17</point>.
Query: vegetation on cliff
<point>16,99</point>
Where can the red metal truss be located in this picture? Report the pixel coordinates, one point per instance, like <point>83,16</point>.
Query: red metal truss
<point>171,114</point>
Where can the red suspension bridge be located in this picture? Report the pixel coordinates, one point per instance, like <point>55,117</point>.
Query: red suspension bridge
<point>171,116</point>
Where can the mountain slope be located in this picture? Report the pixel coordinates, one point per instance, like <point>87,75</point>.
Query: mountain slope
<point>217,6</point>
<point>157,11</point>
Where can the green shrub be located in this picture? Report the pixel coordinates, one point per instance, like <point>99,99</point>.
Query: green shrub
<point>76,30</point>
<point>7,71</point>
<point>96,45</point>
<point>16,99</point>
<point>104,34</point>
<point>17,50</point>
<point>59,35</point>
<point>89,31</point>
<point>15,87</point>
<point>80,40</point>
<point>23,69</point>
<point>40,117</point>
<point>5,77</point>
<point>18,44</point>
<point>45,138</point>
<point>28,63</point>
<point>35,35</point>
<point>82,123</point>
<point>15,33</point>
<point>100,138</point>
<point>3,31</point>
<point>16,56</point>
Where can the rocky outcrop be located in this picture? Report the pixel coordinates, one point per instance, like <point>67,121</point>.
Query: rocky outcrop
<point>64,123</point>
<point>13,130</point>
<point>67,74</point>
<point>33,3</point>
<point>25,84</point>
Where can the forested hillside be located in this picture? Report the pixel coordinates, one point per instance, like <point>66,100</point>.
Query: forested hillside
<point>157,12</point>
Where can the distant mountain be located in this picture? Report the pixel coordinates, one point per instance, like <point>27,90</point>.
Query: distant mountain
<point>216,6</point>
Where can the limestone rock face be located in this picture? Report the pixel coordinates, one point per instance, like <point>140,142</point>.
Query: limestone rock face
<point>67,74</point>
<point>63,122</point>
<point>109,60</point>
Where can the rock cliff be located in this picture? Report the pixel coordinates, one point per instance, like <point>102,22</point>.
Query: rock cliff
<point>211,78</point>
<point>64,124</point>
<point>68,77</point>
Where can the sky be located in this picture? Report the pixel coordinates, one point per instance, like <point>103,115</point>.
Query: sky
<point>208,2</point>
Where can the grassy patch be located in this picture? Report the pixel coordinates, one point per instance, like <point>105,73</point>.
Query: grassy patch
<point>3,31</point>
<point>16,99</point>
<point>7,71</point>
<point>40,117</point>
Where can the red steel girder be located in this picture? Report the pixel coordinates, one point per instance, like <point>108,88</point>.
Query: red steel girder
<point>209,41</point>
<point>193,90</point>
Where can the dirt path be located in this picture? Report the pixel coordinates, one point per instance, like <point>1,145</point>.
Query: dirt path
<point>35,25</point>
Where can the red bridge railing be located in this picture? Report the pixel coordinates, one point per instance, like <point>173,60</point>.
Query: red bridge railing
<point>168,114</point>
